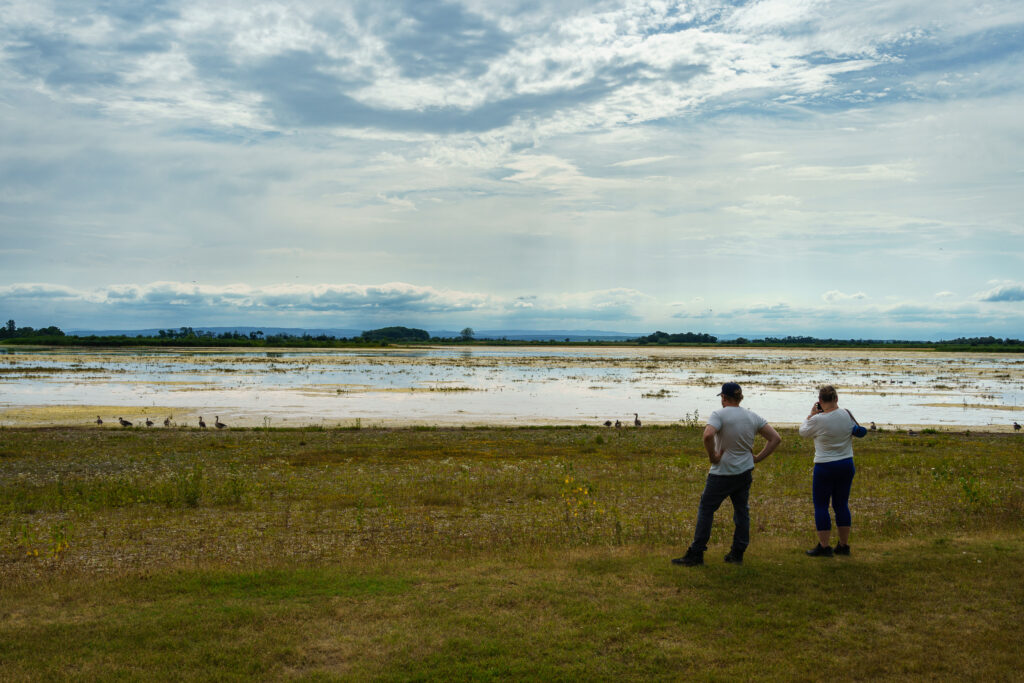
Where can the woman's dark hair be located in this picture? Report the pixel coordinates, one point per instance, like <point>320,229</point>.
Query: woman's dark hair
<point>827,393</point>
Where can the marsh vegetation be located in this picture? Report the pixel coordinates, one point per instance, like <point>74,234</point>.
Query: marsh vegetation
<point>539,552</point>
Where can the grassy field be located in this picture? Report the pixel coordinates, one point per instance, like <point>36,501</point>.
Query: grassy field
<point>495,553</point>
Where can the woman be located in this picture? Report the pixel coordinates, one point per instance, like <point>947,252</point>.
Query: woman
<point>832,430</point>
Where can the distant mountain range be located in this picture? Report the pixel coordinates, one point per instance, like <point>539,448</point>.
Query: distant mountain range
<point>515,335</point>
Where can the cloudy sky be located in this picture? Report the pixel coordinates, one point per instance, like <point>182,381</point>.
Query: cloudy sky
<point>851,169</point>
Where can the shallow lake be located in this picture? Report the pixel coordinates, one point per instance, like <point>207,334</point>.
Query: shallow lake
<point>500,385</point>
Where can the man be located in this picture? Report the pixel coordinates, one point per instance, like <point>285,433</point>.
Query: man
<point>729,441</point>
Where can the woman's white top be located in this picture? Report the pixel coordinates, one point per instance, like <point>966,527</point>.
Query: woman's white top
<point>833,435</point>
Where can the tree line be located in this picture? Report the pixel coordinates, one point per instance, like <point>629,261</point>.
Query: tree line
<point>960,343</point>
<point>12,331</point>
<point>189,336</point>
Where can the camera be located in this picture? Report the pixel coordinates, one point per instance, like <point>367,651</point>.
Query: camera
<point>817,406</point>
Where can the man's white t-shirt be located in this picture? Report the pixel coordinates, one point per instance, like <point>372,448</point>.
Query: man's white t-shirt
<point>736,428</point>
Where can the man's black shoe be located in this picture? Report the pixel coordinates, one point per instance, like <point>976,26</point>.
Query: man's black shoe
<point>690,559</point>
<point>842,549</point>
<point>820,551</point>
<point>734,558</point>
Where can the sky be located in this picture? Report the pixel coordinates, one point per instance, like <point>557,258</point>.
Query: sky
<point>781,167</point>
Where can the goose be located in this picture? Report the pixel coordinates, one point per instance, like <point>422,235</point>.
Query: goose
<point>911,432</point>
<point>636,420</point>
<point>167,421</point>
<point>99,420</point>
<point>124,422</point>
<point>218,424</point>
<point>149,423</point>
<point>618,424</point>
<point>607,423</point>
<point>1016,427</point>
<point>202,425</point>
<point>873,427</point>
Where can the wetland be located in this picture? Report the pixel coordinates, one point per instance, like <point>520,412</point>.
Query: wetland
<point>479,385</point>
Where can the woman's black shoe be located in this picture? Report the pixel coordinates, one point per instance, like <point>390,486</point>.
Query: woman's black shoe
<point>820,551</point>
<point>842,549</point>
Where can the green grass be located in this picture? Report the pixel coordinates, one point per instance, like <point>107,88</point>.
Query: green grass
<point>536,553</point>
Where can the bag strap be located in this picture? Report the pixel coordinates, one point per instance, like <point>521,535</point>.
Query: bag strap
<point>851,416</point>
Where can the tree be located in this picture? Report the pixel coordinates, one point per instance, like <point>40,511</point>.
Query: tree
<point>467,334</point>
<point>396,334</point>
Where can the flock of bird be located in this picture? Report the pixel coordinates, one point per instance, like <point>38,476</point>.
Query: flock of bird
<point>607,423</point>
<point>167,422</point>
<point>636,423</point>
<point>618,423</point>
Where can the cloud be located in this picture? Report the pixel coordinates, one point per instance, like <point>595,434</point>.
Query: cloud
<point>440,67</point>
<point>369,301</point>
<point>30,292</point>
<point>357,305</point>
<point>835,296</point>
<point>775,14</point>
<point>488,148</point>
<point>619,304</point>
<point>397,297</point>
<point>769,311</point>
<point>774,200</point>
<point>643,162</point>
<point>430,38</point>
<point>899,320</point>
<point>1003,292</point>
<point>904,172</point>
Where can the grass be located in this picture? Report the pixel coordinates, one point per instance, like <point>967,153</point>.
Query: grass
<point>537,553</point>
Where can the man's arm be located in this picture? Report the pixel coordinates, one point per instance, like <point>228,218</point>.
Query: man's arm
<point>709,445</point>
<point>773,439</point>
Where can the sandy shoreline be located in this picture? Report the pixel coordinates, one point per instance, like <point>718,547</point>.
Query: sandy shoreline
<point>85,416</point>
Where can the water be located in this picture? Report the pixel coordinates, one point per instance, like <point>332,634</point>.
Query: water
<point>502,385</point>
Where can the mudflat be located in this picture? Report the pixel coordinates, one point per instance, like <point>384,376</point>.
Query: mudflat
<point>474,386</point>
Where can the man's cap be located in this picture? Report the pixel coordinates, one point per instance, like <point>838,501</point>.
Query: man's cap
<point>731,390</point>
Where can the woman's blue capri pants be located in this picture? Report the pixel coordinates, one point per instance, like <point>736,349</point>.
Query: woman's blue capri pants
<point>832,482</point>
